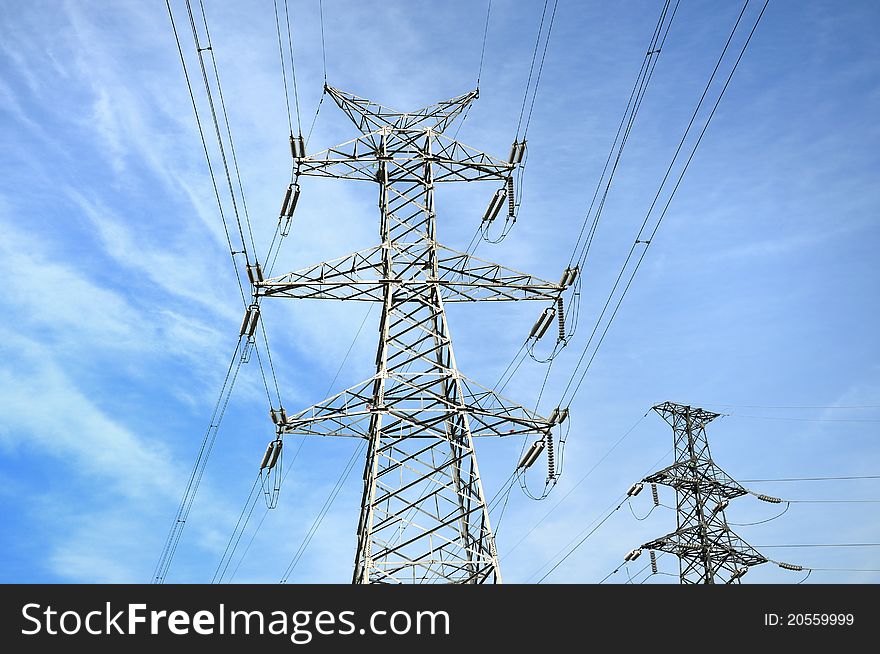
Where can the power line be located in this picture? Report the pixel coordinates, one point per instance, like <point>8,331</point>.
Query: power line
<point>323,48</point>
<point>581,542</point>
<point>833,501</point>
<point>863,420</point>
<point>236,535</point>
<point>540,68</point>
<point>483,48</point>
<point>210,98</point>
<point>761,522</point>
<point>784,479</point>
<point>238,356</point>
<point>296,453</point>
<point>195,478</point>
<point>647,242</point>
<point>823,545</point>
<point>340,482</point>
<point>292,68</point>
<point>633,104</point>
<point>283,67</point>
<point>205,148</point>
<point>843,569</point>
<point>531,69</point>
<point>623,498</point>
<point>578,483</point>
<point>809,406</point>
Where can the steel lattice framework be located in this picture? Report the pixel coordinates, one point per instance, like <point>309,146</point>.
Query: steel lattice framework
<point>424,517</point>
<point>708,551</point>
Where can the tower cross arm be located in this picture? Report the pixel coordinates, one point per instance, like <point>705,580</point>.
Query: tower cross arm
<point>352,413</point>
<point>404,152</point>
<point>726,546</point>
<point>360,276</point>
<point>710,477</point>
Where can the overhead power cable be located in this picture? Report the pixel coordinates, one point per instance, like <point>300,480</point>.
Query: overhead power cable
<point>601,520</point>
<point>809,406</point>
<point>522,110</point>
<point>283,68</point>
<point>540,67</point>
<point>658,39</point>
<point>785,479</point>
<point>328,503</point>
<point>198,470</point>
<point>323,47</point>
<point>209,95</point>
<point>580,542</point>
<point>792,419</point>
<point>822,545</point>
<point>483,47</point>
<point>292,67</point>
<point>572,388</point>
<point>577,484</point>
<point>581,251</point>
<point>297,452</point>
<point>238,357</point>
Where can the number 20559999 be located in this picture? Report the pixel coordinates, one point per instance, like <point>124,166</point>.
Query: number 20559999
<point>809,619</point>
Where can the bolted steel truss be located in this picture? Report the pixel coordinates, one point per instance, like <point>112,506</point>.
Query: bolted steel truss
<point>707,550</point>
<point>424,517</point>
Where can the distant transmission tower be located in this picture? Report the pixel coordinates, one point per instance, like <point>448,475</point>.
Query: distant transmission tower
<point>708,551</point>
<point>424,517</point>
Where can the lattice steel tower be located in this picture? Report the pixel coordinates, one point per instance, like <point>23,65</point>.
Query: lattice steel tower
<point>708,551</point>
<point>423,517</point>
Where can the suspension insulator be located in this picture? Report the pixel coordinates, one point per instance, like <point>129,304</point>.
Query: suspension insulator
<point>633,555</point>
<point>495,205</point>
<point>517,150</point>
<point>790,566</point>
<point>249,324</point>
<point>543,322</point>
<point>286,200</point>
<point>255,273</point>
<point>511,199</point>
<point>276,452</point>
<point>653,563</point>
<point>531,455</point>
<point>655,495</point>
<point>297,146</point>
<point>279,416</point>
<point>551,461</point>
<point>291,198</point>
<point>635,489</point>
<point>268,455</point>
<point>768,498</point>
<point>560,317</point>
<point>564,277</point>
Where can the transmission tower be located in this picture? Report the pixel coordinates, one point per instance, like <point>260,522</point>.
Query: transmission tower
<point>707,550</point>
<point>424,517</point>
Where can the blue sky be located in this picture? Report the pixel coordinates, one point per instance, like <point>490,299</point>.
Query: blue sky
<point>120,309</point>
